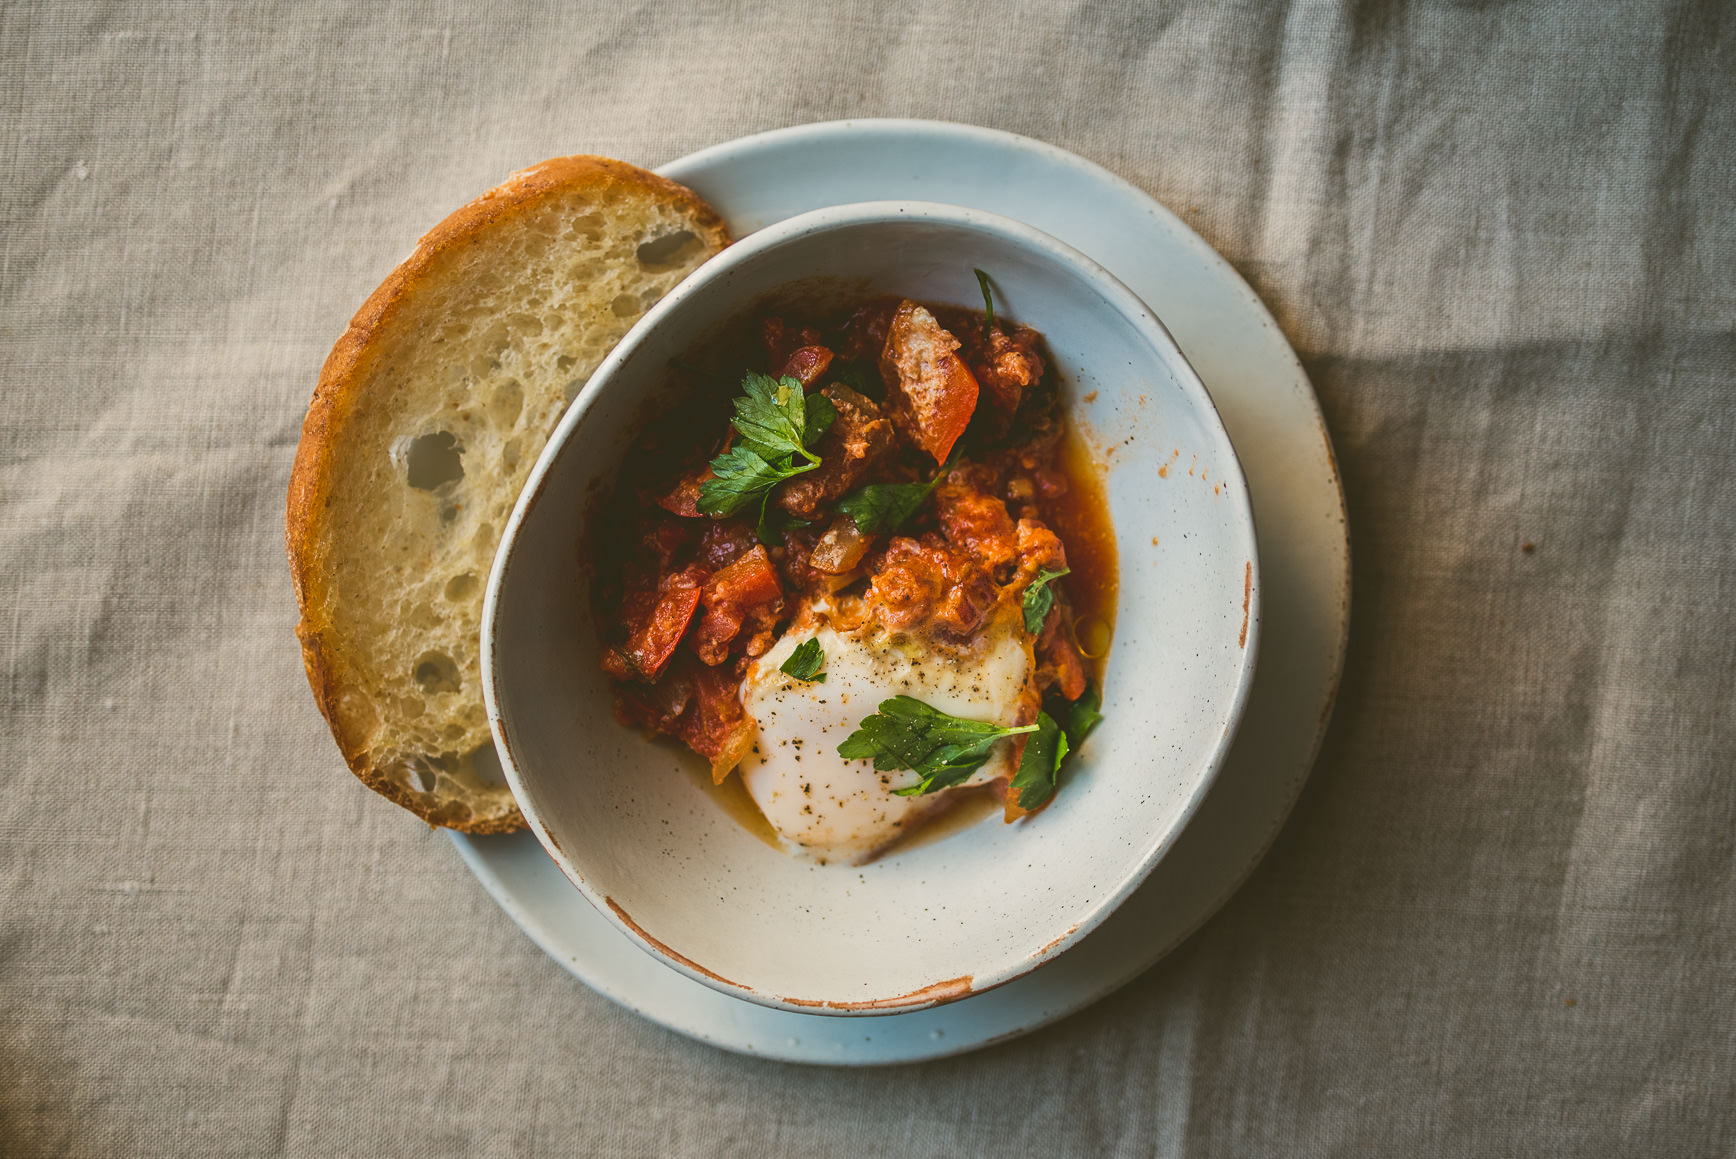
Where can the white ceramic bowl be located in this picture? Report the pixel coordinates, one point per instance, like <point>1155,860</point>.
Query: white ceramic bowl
<point>652,848</point>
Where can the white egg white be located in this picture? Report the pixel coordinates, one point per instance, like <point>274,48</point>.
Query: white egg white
<point>835,810</point>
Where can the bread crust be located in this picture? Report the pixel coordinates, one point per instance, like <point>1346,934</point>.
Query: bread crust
<point>346,375</point>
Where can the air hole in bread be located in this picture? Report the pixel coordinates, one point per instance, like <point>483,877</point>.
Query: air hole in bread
<point>510,452</point>
<point>572,390</point>
<point>436,672</point>
<point>565,362</point>
<point>668,250</point>
<point>461,587</point>
<point>421,779</point>
<point>625,305</point>
<point>433,461</point>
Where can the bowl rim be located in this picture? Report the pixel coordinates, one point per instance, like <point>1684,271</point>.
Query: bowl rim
<point>791,231</point>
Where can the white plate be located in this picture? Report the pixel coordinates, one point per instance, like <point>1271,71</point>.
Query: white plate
<point>1273,419</point>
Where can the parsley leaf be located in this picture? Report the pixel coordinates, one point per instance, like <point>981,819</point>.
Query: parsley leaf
<point>885,506</point>
<point>821,415</point>
<point>861,376</point>
<point>988,300</point>
<point>776,423</point>
<point>1041,764</point>
<point>805,662</point>
<point>1039,599</point>
<point>1060,732</point>
<point>774,521</point>
<point>741,476</point>
<point>1084,714</point>
<point>907,734</point>
<point>772,417</point>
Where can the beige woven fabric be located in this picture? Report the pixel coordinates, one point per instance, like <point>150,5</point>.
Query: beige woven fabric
<point>1501,922</point>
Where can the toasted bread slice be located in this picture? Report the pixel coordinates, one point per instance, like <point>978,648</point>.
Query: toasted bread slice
<point>426,420</point>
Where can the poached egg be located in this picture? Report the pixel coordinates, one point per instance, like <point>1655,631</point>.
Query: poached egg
<point>835,810</point>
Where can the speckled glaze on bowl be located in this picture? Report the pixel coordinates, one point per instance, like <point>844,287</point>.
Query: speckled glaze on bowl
<point>654,851</point>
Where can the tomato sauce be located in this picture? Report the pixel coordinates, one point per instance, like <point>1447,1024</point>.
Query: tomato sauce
<point>721,532</point>
<point>1080,516</point>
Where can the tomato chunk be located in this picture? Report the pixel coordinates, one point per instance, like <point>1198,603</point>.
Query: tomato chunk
<point>926,582</point>
<point>723,542</point>
<point>976,522</point>
<point>729,596</point>
<point>664,538</point>
<point>751,579</point>
<point>715,726</point>
<point>695,704</point>
<point>653,642</point>
<point>937,394</point>
<point>683,498</point>
<point>1059,660</point>
<point>807,364</point>
<point>781,339</point>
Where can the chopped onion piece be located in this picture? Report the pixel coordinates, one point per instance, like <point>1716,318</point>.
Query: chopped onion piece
<point>841,548</point>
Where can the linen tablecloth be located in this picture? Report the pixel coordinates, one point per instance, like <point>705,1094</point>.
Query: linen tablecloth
<point>1502,921</point>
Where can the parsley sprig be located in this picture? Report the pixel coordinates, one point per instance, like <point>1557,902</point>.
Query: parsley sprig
<point>907,734</point>
<point>1039,598</point>
<point>860,375</point>
<point>1084,714</point>
<point>806,661</point>
<point>988,300</point>
<point>1040,767</point>
<point>882,507</point>
<point>778,425</point>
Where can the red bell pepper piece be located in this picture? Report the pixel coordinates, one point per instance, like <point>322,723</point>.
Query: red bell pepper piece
<point>729,595</point>
<point>807,364</point>
<point>938,393</point>
<point>653,642</point>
